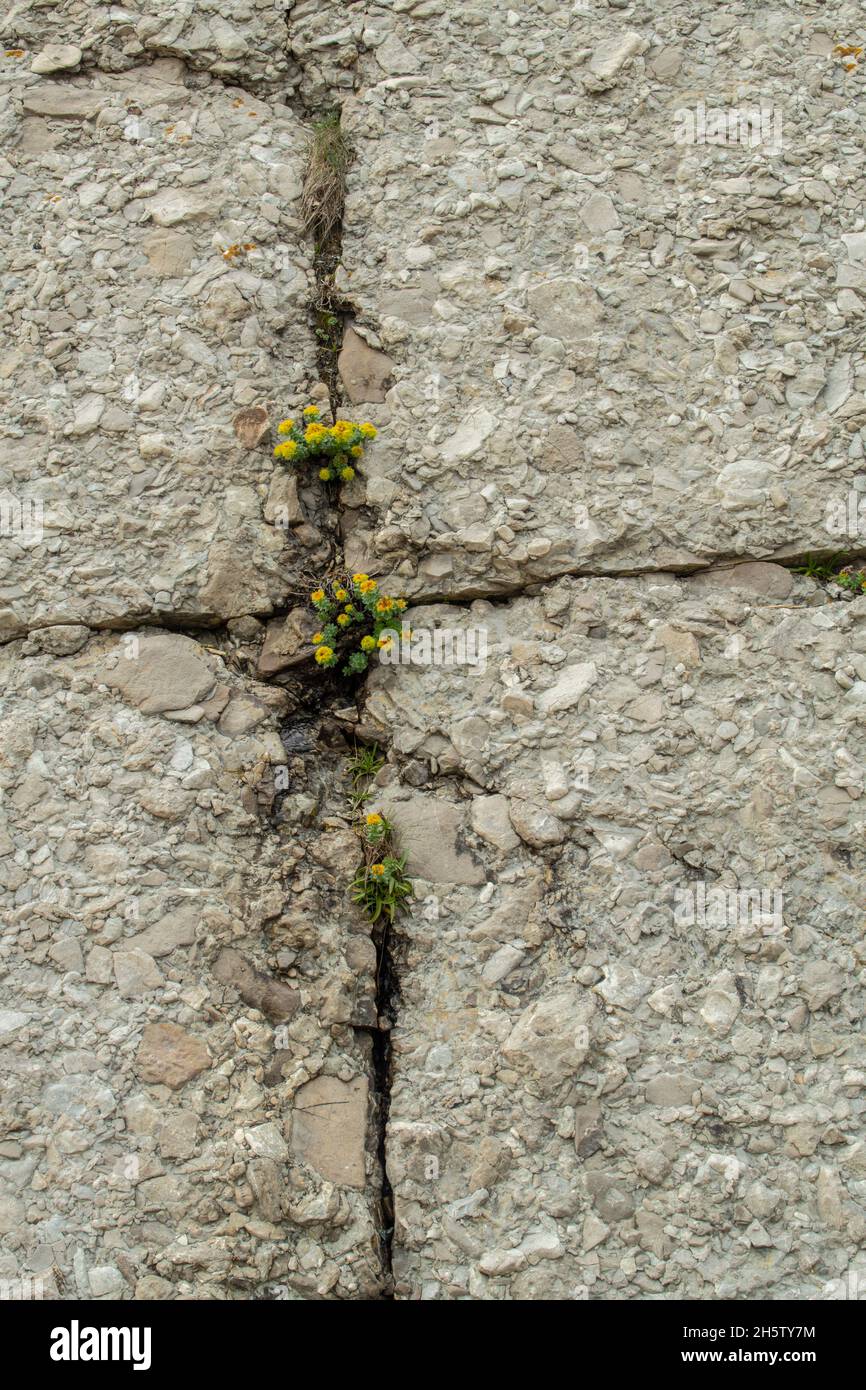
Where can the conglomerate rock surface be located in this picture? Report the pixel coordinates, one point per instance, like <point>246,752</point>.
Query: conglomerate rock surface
<point>621,391</point>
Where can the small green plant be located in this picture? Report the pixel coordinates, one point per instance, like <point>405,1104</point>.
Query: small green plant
<point>356,621</point>
<point>833,570</point>
<point>383,887</point>
<point>337,448</point>
<point>365,764</point>
<point>851,578</point>
<point>816,568</point>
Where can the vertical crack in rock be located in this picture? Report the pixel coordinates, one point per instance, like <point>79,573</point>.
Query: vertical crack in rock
<point>323,207</point>
<point>322,211</point>
<point>387,1002</point>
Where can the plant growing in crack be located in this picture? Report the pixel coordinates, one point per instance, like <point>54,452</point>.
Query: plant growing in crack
<point>323,201</point>
<point>834,570</point>
<point>366,762</point>
<point>382,887</point>
<point>357,620</point>
<point>337,448</point>
<point>852,578</point>
<point>324,194</point>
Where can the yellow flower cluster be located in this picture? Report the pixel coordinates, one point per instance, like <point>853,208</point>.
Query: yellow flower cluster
<point>333,444</point>
<point>353,608</point>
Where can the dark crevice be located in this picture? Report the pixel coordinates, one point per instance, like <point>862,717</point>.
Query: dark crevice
<point>323,208</point>
<point>195,624</point>
<point>387,1005</point>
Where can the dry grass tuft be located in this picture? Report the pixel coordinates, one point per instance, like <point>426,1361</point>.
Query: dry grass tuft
<point>324,194</point>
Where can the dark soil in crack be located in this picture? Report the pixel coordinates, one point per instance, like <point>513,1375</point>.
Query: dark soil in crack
<point>387,1004</point>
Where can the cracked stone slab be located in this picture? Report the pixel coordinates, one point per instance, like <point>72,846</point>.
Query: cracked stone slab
<point>166,267</point>
<point>155,891</point>
<point>646,1020</point>
<point>579,384</point>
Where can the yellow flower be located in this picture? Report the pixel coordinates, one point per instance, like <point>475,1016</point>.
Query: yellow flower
<point>342,429</point>
<point>358,578</point>
<point>374,818</point>
<point>350,610</point>
<point>286,450</point>
<point>317,595</point>
<point>347,474</point>
<point>340,595</point>
<point>323,655</point>
<point>356,450</point>
<point>401,603</point>
<point>369,586</point>
<point>368,431</point>
<point>367,644</point>
<point>343,620</point>
<point>314,433</point>
<point>311,410</point>
<point>317,637</point>
<point>384,605</point>
<point>325,475</point>
<point>284,426</point>
<point>377,870</point>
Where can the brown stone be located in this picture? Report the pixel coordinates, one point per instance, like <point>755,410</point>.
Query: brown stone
<point>430,832</point>
<point>162,672</point>
<point>271,997</point>
<point>757,576</point>
<point>329,1127</point>
<point>287,642</point>
<point>169,1056</point>
<point>251,425</point>
<point>283,508</point>
<point>363,370</point>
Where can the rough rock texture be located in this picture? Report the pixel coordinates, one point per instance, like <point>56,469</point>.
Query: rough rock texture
<point>613,352</point>
<point>157,291</point>
<point>600,361</point>
<point>595,1089</point>
<point>157,1036</point>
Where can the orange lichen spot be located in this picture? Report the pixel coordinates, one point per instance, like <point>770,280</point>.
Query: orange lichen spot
<point>239,101</point>
<point>249,246</point>
<point>15,52</point>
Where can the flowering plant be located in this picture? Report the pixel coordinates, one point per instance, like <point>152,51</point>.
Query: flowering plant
<point>354,616</point>
<point>337,447</point>
<point>383,885</point>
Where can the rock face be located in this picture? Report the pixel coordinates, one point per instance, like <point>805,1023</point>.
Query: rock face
<point>667,941</point>
<point>618,376</point>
